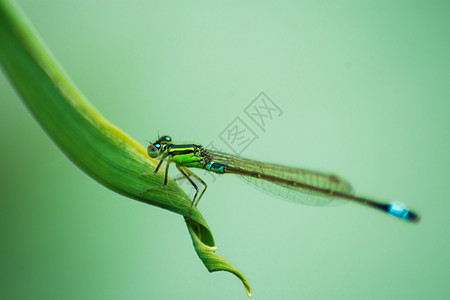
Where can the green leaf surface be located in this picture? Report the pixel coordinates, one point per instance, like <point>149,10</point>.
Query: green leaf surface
<point>96,146</point>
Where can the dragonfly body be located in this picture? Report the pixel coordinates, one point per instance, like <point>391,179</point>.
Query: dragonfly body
<point>192,156</point>
<point>300,185</point>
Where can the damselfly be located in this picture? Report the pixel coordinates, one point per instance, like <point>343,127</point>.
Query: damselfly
<point>299,185</point>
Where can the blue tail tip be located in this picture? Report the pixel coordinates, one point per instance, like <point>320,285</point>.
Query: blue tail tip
<point>400,211</point>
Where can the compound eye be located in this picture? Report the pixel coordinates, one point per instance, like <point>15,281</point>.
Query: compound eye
<point>153,150</point>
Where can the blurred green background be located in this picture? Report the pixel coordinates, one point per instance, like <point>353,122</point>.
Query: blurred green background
<point>365,92</point>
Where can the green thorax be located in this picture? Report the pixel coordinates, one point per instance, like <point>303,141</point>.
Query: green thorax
<point>188,155</point>
<point>193,156</point>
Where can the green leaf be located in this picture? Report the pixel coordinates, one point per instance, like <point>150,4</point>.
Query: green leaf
<point>96,146</point>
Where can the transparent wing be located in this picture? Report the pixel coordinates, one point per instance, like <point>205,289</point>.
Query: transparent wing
<point>308,180</point>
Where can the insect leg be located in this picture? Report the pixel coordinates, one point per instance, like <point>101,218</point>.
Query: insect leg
<point>199,179</point>
<point>185,173</point>
<point>160,163</point>
<point>165,176</point>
